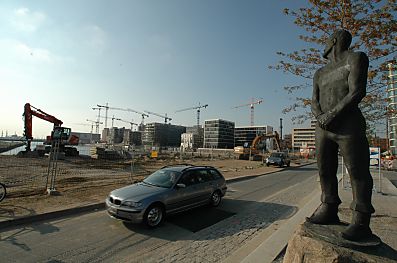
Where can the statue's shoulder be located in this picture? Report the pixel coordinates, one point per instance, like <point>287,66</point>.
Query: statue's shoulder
<point>318,72</point>
<point>357,58</point>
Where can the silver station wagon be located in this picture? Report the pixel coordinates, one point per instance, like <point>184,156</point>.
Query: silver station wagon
<point>168,190</point>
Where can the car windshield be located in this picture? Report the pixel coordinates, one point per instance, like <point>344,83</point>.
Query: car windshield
<point>278,155</point>
<point>162,178</point>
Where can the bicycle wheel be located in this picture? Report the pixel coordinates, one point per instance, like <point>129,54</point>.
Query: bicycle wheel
<point>3,191</point>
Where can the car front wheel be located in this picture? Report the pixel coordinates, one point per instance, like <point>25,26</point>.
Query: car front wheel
<point>154,215</point>
<point>216,198</point>
<point>3,191</point>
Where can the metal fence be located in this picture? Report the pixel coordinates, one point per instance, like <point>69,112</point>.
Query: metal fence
<point>28,176</point>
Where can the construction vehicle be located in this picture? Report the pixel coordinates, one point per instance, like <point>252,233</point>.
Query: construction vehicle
<point>253,151</point>
<point>62,133</point>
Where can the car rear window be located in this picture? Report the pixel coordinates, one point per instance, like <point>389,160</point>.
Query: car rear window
<point>215,174</point>
<point>203,176</point>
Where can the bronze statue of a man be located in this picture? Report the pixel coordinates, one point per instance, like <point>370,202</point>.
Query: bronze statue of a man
<point>338,87</point>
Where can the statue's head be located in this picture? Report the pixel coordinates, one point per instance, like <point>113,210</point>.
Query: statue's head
<point>340,38</point>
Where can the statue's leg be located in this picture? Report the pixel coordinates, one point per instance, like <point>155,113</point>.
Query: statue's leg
<point>355,150</point>
<point>327,162</point>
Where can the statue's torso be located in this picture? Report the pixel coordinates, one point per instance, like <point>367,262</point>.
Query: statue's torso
<point>333,84</point>
<point>333,87</point>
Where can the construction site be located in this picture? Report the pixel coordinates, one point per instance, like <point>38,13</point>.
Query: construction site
<point>69,167</point>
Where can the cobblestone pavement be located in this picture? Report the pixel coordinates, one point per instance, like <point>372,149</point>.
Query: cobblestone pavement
<point>219,241</point>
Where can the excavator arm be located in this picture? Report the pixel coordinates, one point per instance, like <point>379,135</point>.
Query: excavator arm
<point>262,137</point>
<point>28,115</point>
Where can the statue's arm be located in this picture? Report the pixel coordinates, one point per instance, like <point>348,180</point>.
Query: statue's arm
<point>316,109</point>
<point>357,81</point>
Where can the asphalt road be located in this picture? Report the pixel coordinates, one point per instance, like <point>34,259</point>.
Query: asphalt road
<point>95,237</point>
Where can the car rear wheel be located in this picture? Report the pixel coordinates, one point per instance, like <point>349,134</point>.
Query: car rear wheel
<point>216,198</point>
<point>154,215</point>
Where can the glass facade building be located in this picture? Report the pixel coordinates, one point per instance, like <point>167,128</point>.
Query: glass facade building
<point>162,135</point>
<point>392,107</point>
<point>245,135</point>
<point>218,134</point>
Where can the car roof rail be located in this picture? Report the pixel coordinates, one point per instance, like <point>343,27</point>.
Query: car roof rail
<point>199,166</point>
<point>178,164</point>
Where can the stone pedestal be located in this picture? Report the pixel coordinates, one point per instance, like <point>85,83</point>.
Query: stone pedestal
<point>323,244</point>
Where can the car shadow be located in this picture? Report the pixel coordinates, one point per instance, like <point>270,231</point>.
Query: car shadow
<point>206,223</point>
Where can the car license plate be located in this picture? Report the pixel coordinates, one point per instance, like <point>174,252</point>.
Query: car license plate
<point>112,210</point>
<point>123,214</point>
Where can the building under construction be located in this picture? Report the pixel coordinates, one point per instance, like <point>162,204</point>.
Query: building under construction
<point>86,138</point>
<point>218,134</point>
<point>162,135</point>
<point>246,134</point>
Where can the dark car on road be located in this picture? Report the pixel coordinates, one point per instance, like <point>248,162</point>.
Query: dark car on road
<point>168,190</point>
<point>278,158</point>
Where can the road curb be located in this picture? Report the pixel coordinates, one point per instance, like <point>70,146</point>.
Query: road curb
<point>97,206</point>
<point>248,177</point>
<point>51,215</point>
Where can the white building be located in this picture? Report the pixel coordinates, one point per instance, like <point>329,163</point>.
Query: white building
<point>189,141</point>
<point>304,137</point>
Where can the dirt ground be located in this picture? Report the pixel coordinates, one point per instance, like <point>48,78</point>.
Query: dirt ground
<point>83,181</point>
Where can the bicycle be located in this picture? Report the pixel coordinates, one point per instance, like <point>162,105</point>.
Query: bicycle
<point>3,191</point>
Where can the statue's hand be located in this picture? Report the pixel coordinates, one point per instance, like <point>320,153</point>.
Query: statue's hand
<point>325,120</point>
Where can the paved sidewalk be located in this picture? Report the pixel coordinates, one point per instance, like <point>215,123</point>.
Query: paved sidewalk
<point>383,223</point>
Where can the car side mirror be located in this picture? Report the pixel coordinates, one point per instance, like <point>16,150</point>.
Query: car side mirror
<point>180,186</point>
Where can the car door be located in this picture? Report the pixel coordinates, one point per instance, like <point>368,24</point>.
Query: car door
<point>186,197</point>
<point>205,185</point>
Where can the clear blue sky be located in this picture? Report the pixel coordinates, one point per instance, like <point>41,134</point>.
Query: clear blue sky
<point>65,57</point>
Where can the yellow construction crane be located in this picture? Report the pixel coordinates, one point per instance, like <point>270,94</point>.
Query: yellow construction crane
<point>130,122</point>
<point>96,124</point>
<point>98,119</point>
<point>251,105</point>
<point>106,107</point>
<point>166,118</point>
<point>198,112</point>
<point>113,118</point>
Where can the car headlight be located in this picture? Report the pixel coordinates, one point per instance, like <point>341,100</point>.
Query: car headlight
<point>132,204</point>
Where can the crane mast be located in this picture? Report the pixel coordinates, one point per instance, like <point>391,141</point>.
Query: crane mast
<point>98,119</point>
<point>252,106</point>
<point>198,112</point>
<point>106,107</point>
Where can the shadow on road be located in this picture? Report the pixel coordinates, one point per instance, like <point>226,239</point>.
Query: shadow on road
<point>206,223</point>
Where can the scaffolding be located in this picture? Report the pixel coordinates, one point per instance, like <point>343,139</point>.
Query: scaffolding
<point>392,107</point>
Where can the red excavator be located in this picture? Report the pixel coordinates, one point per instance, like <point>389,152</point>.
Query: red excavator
<point>66,139</point>
<point>244,152</point>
